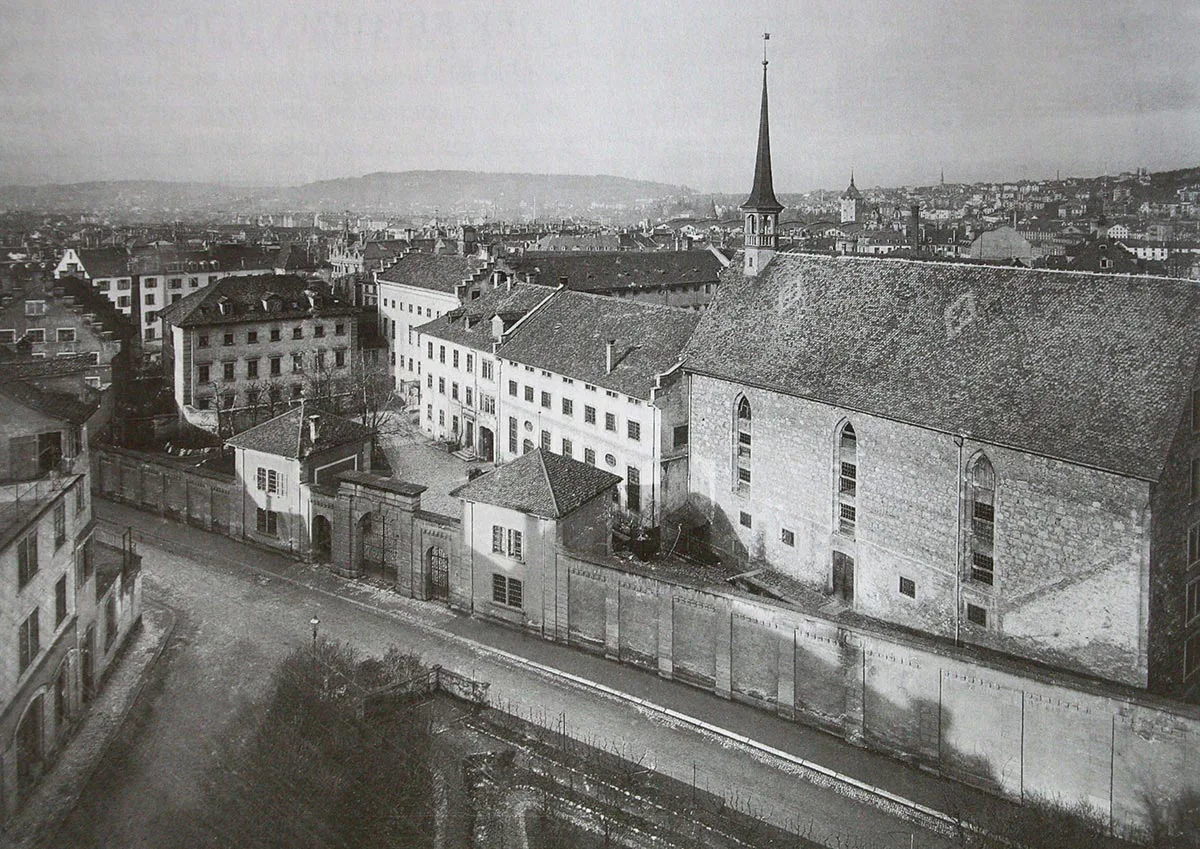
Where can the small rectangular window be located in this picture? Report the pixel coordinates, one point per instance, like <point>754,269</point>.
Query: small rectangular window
<point>680,436</point>
<point>977,615</point>
<point>546,400</point>
<point>30,640</point>
<point>497,539</point>
<point>634,430</point>
<point>60,523</point>
<point>745,519</point>
<point>589,414</point>
<point>567,447</point>
<point>545,440</point>
<point>1193,550</point>
<point>515,549</point>
<point>65,334</point>
<point>610,421</point>
<point>529,394</point>
<point>227,339</point>
<point>983,568</point>
<point>27,559</point>
<point>908,587</point>
<point>589,456</point>
<point>512,388</point>
<point>787,537</point>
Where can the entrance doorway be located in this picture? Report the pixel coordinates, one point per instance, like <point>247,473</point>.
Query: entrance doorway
<point>29,747</point>
<point>487,449</point>
<point>322,538</point>
<point>843,577</point>
<point>438,565</point>
<point>469,435</point>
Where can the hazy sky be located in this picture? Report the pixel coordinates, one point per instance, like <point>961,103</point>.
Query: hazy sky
<point>275,92</point>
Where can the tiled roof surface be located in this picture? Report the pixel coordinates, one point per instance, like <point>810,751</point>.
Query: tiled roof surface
<point>1093,369</point>
<point>104,262</point>
<point>288,435</point>
<point>604,271</point>
<point>569,336</point>
<point>440,272</point>
<point>13,365</point>
<point>541,483</point>
<point>57,405</point>
<point>244,296</point>
<point>509,304</point>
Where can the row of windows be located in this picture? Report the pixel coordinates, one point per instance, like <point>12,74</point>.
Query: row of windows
<point>29,637</point>
<point>273,393</point>
<point>633,476</point>
<point>203,340</point>
<point>979,494</point>
<point>275,366</point>
<point>633,429</point>
<point>38,334</point>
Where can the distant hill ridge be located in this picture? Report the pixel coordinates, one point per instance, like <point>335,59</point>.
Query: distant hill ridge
<point>383,191</point>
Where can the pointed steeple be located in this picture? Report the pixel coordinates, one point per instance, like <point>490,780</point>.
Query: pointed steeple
<point>762,195</point>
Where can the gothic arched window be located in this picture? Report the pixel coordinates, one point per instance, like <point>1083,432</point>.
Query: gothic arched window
<point>981,509</point>
<point>743,443</point>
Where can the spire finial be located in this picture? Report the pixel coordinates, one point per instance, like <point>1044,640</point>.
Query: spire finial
<point>766,38</point>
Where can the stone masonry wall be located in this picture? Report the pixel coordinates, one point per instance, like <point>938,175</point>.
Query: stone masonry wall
<point>987,722</point>
<point>1071,547</point>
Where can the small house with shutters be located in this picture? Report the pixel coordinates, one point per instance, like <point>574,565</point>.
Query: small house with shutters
<point>514,520</point>
<point>278,464</point>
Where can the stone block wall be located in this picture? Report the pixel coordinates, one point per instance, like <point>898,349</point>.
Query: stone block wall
<point>1071,543</point>
<point>992,723</point>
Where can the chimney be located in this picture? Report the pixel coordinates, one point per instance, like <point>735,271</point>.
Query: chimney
<point>312,427</point>
<point>562,283</point>
<point>914,218</point>
<point>609,349</point>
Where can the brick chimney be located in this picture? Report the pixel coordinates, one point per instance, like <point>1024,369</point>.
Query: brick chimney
<point>609,350</point>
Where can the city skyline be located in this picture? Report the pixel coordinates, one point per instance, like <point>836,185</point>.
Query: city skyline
<point>229,92</point>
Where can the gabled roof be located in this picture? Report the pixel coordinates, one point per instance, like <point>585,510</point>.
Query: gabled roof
<point>540,483</point>
<point>1093,369</point>
<point>243,297</point>
<point>470,324</point>
<point>606,271</point>
<point>290,434</point>
<point>569,335</point>
<point>439,272</point>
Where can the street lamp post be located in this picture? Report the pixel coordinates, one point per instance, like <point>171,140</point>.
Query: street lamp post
<point>314,622</point>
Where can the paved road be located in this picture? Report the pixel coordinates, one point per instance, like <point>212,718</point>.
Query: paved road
<point>240,609</point>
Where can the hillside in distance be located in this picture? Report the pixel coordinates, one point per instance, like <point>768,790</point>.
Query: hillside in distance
<point>506,194</point>
<point>394,193</point>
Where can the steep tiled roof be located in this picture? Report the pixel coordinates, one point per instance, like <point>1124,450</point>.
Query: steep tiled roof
<point>439,272</point>
<point>605,271</point>
<point>1089,368</point>
<point>289,434</point>
<point>762,193</point>
<point>470,324</point>
<point>569,336</point>
<point>104,262</point>
<point>541,483</point>
<point>244,295</point>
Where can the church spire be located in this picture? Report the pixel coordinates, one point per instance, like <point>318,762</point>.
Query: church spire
<point>761,209</point>
<point>762,195</point>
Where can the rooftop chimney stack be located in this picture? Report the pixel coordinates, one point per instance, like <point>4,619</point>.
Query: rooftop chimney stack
<point>609,350</point>
<point>313,421</point>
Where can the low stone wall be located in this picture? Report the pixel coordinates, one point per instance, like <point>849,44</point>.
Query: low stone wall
<point>1010,728</point>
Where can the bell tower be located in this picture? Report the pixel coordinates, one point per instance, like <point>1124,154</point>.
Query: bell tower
<point>761,209</point>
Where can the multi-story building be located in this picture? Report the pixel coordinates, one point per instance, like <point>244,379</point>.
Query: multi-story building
<point>598,379</point>
<point>66,603</point>
<point>419,287</point>
<point>107,269</point>
<point>63,318</point>
<point>1002,457</point>
<point>162,276</point>
<point>240,342</point>
<point>460,369</point>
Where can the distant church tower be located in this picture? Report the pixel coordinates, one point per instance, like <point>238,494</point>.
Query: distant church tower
<point>761,208</point>
<point>852,203</point>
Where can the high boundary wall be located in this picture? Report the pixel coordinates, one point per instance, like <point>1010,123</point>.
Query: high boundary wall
<point>1011,728</point>
<point>196,496</point>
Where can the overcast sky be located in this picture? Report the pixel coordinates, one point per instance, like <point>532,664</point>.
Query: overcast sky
<point>274,92</point>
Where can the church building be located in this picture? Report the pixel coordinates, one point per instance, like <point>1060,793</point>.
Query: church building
<point>999,457</point>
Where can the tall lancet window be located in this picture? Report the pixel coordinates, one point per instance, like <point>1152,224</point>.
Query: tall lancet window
<point>847,481</point>
<point>743,444</point>
<point>981,507</point>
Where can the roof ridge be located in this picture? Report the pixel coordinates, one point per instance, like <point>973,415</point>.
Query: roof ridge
<point>549,483</point>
